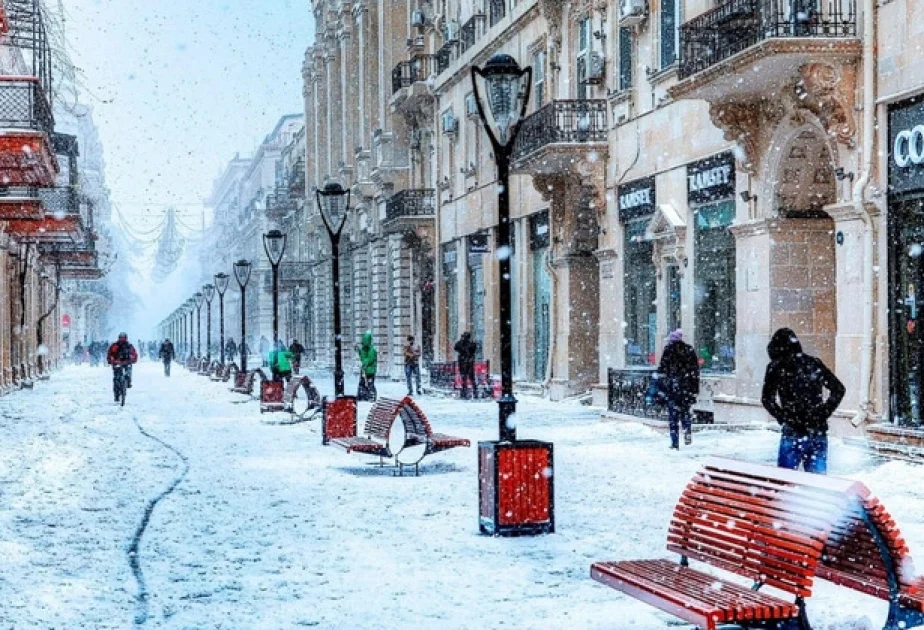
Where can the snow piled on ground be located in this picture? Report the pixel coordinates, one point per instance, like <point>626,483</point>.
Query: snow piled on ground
<point>271,530</point>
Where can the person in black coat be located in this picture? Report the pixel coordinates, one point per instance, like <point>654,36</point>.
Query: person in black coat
<point>166,354</point>
<point>794,394</point>
<point>466,349</point>
<point>678,376</point>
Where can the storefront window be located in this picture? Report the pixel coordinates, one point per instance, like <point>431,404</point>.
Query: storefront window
<point>714,280</point>
<point>452,300</point>
<point>640,296</point>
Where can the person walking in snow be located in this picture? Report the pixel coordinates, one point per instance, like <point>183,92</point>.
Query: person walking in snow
<point>794,394</point>
<point>466,350</point>
<point>280,362</point>
<point>412,365</point>
<point>264,347</point>
<point>297,351</point>
<point>166,354</point>
<point>230,349</point>
<point>369,365</point>
<point>678,377</point>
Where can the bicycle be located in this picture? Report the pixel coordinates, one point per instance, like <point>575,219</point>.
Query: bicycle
<point>121,382</point>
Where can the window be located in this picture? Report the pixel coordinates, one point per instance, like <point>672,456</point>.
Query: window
<point>714,280</point>
<point>539,77</point>
<point>670,32</point>
<point>583,57</point>
<point>640,295</point>
<point>625,58</point>
<point>497,10</point>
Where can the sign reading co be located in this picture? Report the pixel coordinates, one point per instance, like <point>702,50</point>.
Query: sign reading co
<point>906,147</point>
<point>909,147</point>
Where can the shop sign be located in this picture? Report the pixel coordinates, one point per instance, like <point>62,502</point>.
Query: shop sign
<point>636,199</point>
<point>711,179</point>
<point>906,147</point>
<point>478,244</point>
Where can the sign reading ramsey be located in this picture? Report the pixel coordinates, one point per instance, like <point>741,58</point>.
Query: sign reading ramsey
<point>636,199</point>
<point>906,146</point>
<point>711,179</point>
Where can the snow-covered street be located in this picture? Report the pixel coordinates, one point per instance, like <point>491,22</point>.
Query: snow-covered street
<point>269,529</point>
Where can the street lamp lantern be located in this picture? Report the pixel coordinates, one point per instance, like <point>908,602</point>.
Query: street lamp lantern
<point>334,203</point>
<point>274,244</point>
<point>221,285</point>
<point>190,307</point>
<point>209,292</point>
<point>506,87</point>
<point>242,275</point>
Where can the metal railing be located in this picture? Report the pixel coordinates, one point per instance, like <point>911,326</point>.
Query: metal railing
<point>409,72</point>
<point>737,25</point>
<point>418,202</point>
<point>23,105</point>
<point>279,201</point>
<point>472,31</point>
<point>61,201</point>
<point>562,121</point>
<point>627,394</point>
<point>296,177</point>
<point>446,376</point>
<point>446,55</point>
<point>295,272</point>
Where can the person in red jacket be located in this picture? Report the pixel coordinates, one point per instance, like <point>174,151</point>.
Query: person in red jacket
<point>121,356</point>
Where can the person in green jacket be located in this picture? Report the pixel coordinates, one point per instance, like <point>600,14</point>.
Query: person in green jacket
<point>369,363</point>
<point>280,362</point>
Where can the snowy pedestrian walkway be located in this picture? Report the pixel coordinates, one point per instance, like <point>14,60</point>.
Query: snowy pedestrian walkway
<point>268,529</point>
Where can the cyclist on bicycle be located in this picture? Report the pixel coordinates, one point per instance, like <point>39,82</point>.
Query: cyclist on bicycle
<point>121,356</point>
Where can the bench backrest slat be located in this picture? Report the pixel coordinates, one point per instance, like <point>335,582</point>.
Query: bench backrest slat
<point>415,422</point>
<point>750,520</point>
<point>381,417</point>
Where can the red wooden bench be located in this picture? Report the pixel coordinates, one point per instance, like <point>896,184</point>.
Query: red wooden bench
<point>223,372</point>
<point>243,382</point>
<point>765,524</point>
<point>866,552</point>
<point>415,441</point>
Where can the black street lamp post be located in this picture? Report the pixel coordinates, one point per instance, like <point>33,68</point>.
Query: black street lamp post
<point>242,275</point>
<point>191,306</point>
<point>209,292</point>
<point>334,203</point>
<point>274,244</point>
<point>221,285</point>
<point>198,297</point>
<point>506,87</point>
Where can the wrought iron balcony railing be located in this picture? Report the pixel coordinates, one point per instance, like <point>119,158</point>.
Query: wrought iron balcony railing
<point>627,394</point>
<point>296,177</point>
<point>472,31</point>
<point>61,201</point>
<point>446,55</point>
<point>736,25</point>
<point>23,105</point>
<point>294,272</point>
<point>414,203</point>
<point>562,122</point>
<point>280,201</point>
<point>409,72</point>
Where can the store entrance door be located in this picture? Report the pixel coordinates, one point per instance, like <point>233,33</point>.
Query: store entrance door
<point>906,286</point>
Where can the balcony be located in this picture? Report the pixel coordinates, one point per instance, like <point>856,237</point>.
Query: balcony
<point>744,48</point>
<point>62,220</point>
<point>406,209</point>
<point>21,203</point>
<point>26,122</point>
<point>80,261</point>
<point>280,203</point>
<point>473,30</point>
<point>292,274</point>
<point>560,135</point>
<point>296,178</point>
<point>410,90</point>
<point>448,53</point>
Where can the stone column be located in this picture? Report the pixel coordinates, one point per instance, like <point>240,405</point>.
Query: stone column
<point>611,333</point>
<point>575,364</point>
<point>349,97</point>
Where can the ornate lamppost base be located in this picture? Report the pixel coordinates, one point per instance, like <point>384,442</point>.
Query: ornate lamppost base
<point>516,488</point>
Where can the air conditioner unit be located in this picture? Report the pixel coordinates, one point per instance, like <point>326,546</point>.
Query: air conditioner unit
<point>450,123</point>
<point>471,106</point>
<point>632,12</point>
<point>417,19</point>
<point>597,70</point>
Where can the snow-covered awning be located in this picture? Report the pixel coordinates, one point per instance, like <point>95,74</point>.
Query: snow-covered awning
<point>666,222</point>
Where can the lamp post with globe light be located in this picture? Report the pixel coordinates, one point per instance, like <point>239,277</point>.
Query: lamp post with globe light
<point>221,285</point>
<point>242,275</point>
<point>274,244</point>
<point>334,202</point>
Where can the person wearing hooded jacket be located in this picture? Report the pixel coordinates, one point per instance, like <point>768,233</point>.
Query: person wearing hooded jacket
<point>678,375</point>
<point>794,394</point>
<point>369,362</point>
<point>466,348</point>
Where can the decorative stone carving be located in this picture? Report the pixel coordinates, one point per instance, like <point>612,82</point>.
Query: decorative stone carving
<point>553,11</point>
<point>743,124</point>
<point>823,91</point>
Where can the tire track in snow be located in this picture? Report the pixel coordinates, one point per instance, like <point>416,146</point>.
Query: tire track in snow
<point>134,557</point>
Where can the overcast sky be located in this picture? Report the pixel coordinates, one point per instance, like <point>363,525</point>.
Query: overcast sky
<point>179,86</point>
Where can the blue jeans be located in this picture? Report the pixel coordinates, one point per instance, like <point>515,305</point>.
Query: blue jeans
<point>412,372</point>
<point>678,416</point>
<point>810,451</point>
